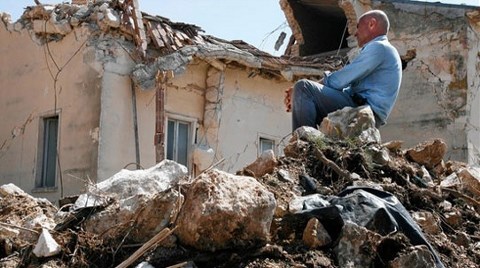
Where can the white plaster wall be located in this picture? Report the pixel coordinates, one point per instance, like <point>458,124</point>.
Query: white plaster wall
<point>185,92</point>
<point>117,138</point>
<point>146,127</point>
<point>473,97</point>
<point>117,143</point>
<point>184,97</point>
<point>251,107</point>
<point>27,93</point>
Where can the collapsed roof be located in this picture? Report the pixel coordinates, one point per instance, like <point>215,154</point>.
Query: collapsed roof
<point>157,36</point>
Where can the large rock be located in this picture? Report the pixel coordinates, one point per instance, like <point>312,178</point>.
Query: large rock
<point>265,164</point>
<point>127,183</point>
<point>141,216</point>
<point>470,178</point>
<point>139,202</point>
<point>351,123</point>
<point>224,211</point>
<point>417,257</point>
<point>307,134</point>
<point>301,137</point>
<point>357,246</point>
<point>428,154</point>
<point>315,235</point>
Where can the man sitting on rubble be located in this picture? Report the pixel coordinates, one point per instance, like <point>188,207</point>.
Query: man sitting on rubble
<point>372,78</point>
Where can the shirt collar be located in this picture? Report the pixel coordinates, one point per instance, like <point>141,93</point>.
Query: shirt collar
<point>378,38</point>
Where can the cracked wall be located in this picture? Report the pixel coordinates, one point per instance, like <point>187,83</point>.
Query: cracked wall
<point>252,107</point>
<point>56,62</point>
<point>437,83</point>
<point>233,108</point>
<point>37,81</point>
<point>473,96</point>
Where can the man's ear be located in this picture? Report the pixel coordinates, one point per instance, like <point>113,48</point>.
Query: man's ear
<point>372,23</point>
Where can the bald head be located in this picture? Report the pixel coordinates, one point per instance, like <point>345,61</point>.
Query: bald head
<point>371,25</point>
<point>383,24</point>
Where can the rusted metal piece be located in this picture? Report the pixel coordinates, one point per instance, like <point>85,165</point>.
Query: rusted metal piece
<point>159,138</point>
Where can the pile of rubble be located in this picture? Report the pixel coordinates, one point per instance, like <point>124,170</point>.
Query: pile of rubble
<point>337,198</point>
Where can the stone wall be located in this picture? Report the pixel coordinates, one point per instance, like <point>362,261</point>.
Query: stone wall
<point>435,87</point>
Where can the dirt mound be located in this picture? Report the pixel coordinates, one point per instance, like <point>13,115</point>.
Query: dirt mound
<point>315,223</point>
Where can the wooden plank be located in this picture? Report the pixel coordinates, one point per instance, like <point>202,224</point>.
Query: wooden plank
<point>157,39</point>
<point>178,34</point>
<point>147,246</point>
<point>184,36</point>
<point>177,42</point>
<point>140,37</point>
<point>161,81</point>
<point>164,35</point>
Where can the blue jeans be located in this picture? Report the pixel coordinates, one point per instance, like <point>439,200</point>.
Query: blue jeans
<point>312,101</point>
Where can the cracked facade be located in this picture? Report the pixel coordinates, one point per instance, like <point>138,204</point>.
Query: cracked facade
<point>439,46</point>
<point>79,82</point>
<point>89,73</point>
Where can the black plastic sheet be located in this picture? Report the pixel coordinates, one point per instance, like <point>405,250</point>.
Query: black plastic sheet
<point>376,210</point>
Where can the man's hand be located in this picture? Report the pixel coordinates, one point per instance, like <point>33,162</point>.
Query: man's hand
<point>288,99</point>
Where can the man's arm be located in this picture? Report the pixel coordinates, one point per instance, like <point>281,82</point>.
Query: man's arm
<point>366,62</point>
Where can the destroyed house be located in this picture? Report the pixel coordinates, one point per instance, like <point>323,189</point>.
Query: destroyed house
<point>87,90</point>
<point>440,49</point>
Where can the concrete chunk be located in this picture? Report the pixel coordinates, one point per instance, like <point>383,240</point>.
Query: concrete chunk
<point>46,245</point>
<point>315,235</point>
<point>357,246</point>
<point>470,178</point>
<point>418,257</point>
<point>428,154</point>
<point>263,165</point>
<point>351,122</point>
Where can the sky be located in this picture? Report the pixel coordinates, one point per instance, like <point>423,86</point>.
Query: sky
<point>257,22</point>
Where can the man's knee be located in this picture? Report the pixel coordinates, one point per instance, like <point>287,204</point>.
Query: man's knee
<point>301,84</point>
<point>302,88</point>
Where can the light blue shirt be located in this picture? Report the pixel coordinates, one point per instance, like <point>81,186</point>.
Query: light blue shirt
<point>375,74</point>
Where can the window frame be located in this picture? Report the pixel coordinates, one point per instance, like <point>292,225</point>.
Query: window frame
<point>192,123</point>
<point>41,181</point>
<point>263,136</point>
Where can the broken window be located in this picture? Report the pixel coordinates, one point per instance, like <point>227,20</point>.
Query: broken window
<point>266,144</point>
<point>46,178</point>
<point>178,140</point>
